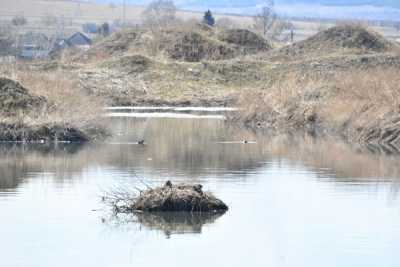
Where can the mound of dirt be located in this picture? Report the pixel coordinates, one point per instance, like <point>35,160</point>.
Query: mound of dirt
<point>116,43</point>
<point>193,47</point>
<point>245,39</point>
<point>129,64</point>
<point>355,38</point>
<point>14,98</point>
<point>180,197</point>
<point>194,44</point>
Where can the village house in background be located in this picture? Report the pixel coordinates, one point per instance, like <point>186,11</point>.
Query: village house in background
<point>34,45</point>
<point>39,46</point>
<point>77,40</point>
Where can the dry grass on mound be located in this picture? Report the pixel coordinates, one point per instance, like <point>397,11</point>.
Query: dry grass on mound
<point>187,42</point>
<point>14,98</point>
<point>195,46</point>
<point>67,103</point>
<point>354,101</point>
<point>245,40</point>
<point>347,38</point>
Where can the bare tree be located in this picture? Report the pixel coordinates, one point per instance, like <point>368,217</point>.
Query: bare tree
<point>159,13</point>
<point>267,21</point>
<point>19,20</point>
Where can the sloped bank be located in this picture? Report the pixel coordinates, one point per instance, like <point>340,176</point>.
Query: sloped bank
<point>343,81</point>
<point>26,116</point>
<point>19,132</point>
<point>14,98</point>
<point>362,106</point>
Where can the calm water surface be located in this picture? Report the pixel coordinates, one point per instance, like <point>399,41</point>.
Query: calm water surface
<point>293,201</point>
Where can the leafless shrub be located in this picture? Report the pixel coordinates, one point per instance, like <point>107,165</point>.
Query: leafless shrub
<point>358,96</point>
<point>378,86</point>
<point>19,20</point>
<point>120,198</point>
<point>267,22</point>
<point>159,13</point>
<point>67,102</point>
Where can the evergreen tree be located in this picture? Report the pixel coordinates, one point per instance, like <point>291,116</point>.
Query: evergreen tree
<point>208,18</point>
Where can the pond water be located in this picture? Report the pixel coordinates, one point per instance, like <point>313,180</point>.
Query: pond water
<point>294,200</point>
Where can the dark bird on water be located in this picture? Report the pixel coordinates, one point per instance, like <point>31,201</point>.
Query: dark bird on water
<point>141,142</point>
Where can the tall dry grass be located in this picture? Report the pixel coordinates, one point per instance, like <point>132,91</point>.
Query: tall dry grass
<point>353,99</point>
<point>364,96</point>
<point>67,102</point>
<point>377,86</point>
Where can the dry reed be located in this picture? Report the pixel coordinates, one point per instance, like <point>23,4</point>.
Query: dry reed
<point>67,102</point>
<point>352,99</point>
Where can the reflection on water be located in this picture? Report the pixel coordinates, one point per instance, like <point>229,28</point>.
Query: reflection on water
<point>192,148</point>
<point>294,200</point>
<point>19,160</point>
<point>169,115</point>
<point>169,223</point>
<point>177,223</point>
<point>158,109</point>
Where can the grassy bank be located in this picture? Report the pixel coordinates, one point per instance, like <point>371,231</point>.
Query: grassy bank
<point>39,107</point>
<point>361,105</point>
<point>342,81</point>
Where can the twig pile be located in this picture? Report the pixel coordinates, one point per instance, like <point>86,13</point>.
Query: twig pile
<point>180,197</point>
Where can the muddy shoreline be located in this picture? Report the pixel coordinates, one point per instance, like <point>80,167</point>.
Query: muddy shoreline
<point>381,136</point>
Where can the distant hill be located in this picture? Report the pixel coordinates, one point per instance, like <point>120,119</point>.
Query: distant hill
<point>254,3</point>
<point>378,3</point>
<point>332,9</point>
